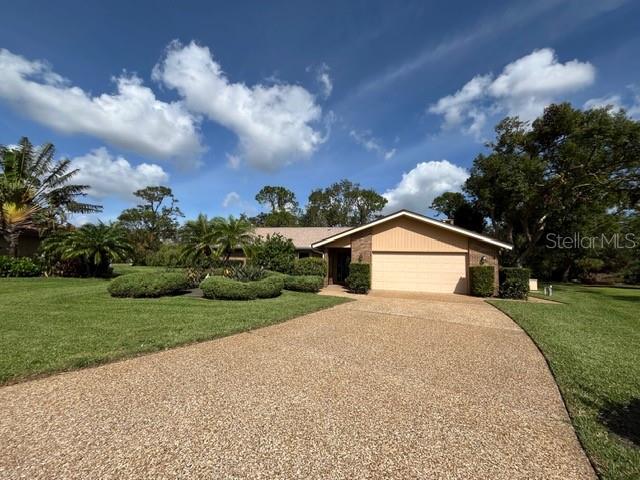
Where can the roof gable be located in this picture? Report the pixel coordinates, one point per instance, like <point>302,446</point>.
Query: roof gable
<point>422,218</point>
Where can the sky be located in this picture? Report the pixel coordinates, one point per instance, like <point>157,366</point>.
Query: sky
<point>218,99</point>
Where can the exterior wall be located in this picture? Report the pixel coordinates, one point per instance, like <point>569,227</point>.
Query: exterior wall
<point>477,250</point>
<point>361,246</point>
<point>409,235</point>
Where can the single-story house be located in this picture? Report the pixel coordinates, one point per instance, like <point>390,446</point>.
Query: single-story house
<point>407,252</point>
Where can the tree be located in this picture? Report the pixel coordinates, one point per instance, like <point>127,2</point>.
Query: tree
<point>35,193</point>
<point>283,207</point>
<point>231,234</point>
<point>198,239</point>
<point>542,175</point>
<point>275,253</point>
<point>97,245</point>
<point>152,221</point>
<point>458,209</point>
<point>343,204</point>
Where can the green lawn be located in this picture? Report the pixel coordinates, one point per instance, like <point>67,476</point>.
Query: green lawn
<point>592,343</point>
<point>54,324</point>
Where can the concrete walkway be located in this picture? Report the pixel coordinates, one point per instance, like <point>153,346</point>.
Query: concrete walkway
<point>376,388</point>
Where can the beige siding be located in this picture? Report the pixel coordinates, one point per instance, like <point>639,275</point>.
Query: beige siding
<point>420,272</point>
<point>409,235</point>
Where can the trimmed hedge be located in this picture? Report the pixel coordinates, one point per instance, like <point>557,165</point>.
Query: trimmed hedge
<point>359,279</point>
<point>514,282</point>
<point>482,279</point>
<point>148,285</point>
<point>310,266</point>
<point>304,283</point>
<point>19,267</point>
<point>223,288</point>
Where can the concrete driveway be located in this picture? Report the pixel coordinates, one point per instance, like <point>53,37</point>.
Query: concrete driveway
<point>377,388</point>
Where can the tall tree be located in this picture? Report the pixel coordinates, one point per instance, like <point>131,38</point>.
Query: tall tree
<point>153,220</point>
<point>197,238</point>
<point>35,191</point>
<point>231,234</point>
<point>343,204</point>
<point>543,174</point>
<point>282,204</point>
<point>457,208</point>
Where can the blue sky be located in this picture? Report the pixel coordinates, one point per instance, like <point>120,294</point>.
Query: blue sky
<point>218,99</point>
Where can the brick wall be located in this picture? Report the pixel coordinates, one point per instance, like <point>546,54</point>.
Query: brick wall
<point>477,250</point>
<point>361,246</point>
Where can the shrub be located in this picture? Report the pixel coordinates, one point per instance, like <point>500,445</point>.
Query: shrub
<point>275,253</point>
<point>482,280</point>
<point>137,285</point>
<point>223,288</point>
<point>166,256</point>
<point>514,282</point>
<point>304,283</point>
<point>19,267</point>
<point>632,273</point>
<point>359,278</point>
<point>310,266</point>
<point>245,273</point>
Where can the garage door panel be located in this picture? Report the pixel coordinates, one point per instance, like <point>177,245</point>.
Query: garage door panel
<point>419,272</point>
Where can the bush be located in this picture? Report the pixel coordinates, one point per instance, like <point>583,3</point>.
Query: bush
<point>304,283</point>
<point>275,253</point>
<point>359,279</point>
<point>632,273</point>
<point>166,256</point>
<point>19,267</point>
<point>482,280</point>
<point>310,266</point>
<point>245,273</point>
<point>138,285</point>
<point>514,282</point>
<point>223,288</point>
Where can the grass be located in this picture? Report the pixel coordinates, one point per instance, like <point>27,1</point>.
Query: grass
<point>592,344</point>
<point>55,324</point>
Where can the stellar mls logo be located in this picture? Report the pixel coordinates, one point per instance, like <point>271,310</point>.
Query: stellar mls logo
<point>577,240</point>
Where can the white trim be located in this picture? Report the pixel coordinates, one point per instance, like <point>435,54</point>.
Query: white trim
<point>430,221</point>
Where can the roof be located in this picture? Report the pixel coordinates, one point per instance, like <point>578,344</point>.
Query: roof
<point>302,237</point>
<point>421,218</point>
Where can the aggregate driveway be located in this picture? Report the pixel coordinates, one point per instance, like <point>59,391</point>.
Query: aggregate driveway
<point>376,388</point>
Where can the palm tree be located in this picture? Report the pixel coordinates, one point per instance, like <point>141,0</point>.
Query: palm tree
<point>198,239</point>
<point>96,244</point>
<point>35,193</point>
<point>231,234</point>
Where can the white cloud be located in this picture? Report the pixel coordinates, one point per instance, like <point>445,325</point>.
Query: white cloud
<point>630,103</point>
<point>232,199</point>
<point>524,88</point>
<point>324,79</point>
<point>274,123</point>
<point>233,161</point>
<point>613,101</point>
<point>131,118</point>
<point>371,144</point>
<point>108,175</point>
<point>422,184</point>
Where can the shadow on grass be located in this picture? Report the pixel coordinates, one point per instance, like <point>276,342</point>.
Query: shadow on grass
<point>623,420</point>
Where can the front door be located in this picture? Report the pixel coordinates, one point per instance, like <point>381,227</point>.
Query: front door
<point>343,258</point>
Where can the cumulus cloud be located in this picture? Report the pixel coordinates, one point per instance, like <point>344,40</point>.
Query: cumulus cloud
<point>423,183</point>
<point>232,199</point>
<point>274,123</point>
<point>109,175</point>
<point>524,88</point>
<point>630,103</point>
<point>131,118</point>
<point>613,101</point>
<point>371,144</point>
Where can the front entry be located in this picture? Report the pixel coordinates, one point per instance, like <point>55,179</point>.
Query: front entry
<point>339,259</point>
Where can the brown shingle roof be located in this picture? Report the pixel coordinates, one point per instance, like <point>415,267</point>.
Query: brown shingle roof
<point>302,237</point>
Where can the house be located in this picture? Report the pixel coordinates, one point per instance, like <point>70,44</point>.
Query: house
<point>410,252</point>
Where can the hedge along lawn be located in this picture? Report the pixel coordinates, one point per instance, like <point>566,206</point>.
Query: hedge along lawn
<point>592,344</point>
<point>56,324</point>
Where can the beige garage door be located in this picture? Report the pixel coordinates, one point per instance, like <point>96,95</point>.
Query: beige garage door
<point>419,272</point>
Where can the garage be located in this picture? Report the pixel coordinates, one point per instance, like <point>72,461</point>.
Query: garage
<point>419,272</point>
